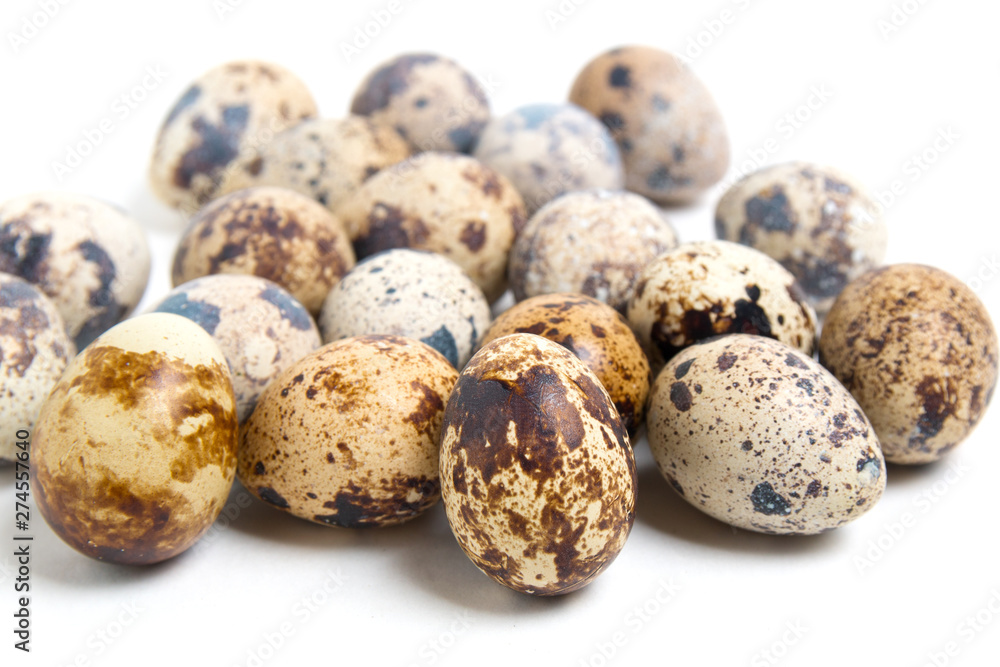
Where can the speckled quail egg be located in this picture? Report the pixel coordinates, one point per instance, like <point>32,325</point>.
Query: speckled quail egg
<point>446,203</point>
<point>409,293</point>
<point>594,242</point>
<point>549,149</point>
<point>134,451</point>
<point>597,334</point>
<point>918,350</point>
<point>88,257</point>
<point>760,436</point>
<point>671,135</point>
<point>270,232</point>
<point>432,101</point>
<point>327,159</point>
<point>821,224</point>
<point>704,289</point>
<point>34,351</point>
<point>259,326</point>
<point>348,436</point>
<point>224,114</point>
<point>537,473</point>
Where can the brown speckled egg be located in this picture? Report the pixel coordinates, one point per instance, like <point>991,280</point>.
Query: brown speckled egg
<point>431,100</point>
<point>549,149</point>
<point>760,436</point>
<point>918,350</point>
<point>708,288</point>
<point>537,474</point>
<point>225,114</point>
<point>409,293</point>
<point>443,202</point>
<point>597,334</point>
<point>327,160</point>
<point>348,436</point>
<point>259,326</point>
<point>594,242</point>
<point>818,222</point>
<point>134,452</point>
<point>34,351</point>
<point>273,233</point>
<point>89,257</point>
<point>670,132</point>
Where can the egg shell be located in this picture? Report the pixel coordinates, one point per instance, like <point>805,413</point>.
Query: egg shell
<point>327,159</point>
<point>258,325</point>
<point>597,334</point>
<point>34,351</point>
<point>537,473</point>
<point>760,436</point>
<point>818,222</point>
<point>410,293</point>
<point>546,150</point>
<point>595,242</point>
<point>918,350</point>
<point>348,436</point>
<point>445,203</point>
<point>134,451</point>
<point>432,101</point>
<point>269,232</point>
<point>224,114</point>
<point>708,288</point>
<point>89,257</point>
<point>671,134</point>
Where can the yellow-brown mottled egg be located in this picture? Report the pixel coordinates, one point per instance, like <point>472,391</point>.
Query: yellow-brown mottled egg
<point>134,452</point>
<point>348,436</point>
<point>597,334</point>
<point>918,350</point>
<point>537,473</point>
<point>274,233</point>
<point>760,436</point>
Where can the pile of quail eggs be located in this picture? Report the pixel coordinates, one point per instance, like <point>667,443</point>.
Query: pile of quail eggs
<point>330,339</point>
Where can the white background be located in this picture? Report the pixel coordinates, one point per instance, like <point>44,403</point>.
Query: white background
<point>873,592</point>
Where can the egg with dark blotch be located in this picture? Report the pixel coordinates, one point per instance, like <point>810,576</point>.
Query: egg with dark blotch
<point>224,115</point>
<point>34,351</point>
<point>597,334</point>
<point>273,233</point>
<point>918,350</point>
<point>259,326</point>
<point>760,436</point>
<point>537,473</point>
<point>134,452</point>
<point>410,293</point>
<point>348,436</point>
<point>87,256</point>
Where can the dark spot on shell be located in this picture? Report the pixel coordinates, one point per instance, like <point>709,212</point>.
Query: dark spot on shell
<point>805,385</point>
<point>793,360</point>
<point>662,180</point>
<point>203,314</point>
<point>101,297</point>
<point>725,361</point>
<point>597,331</point>
<point>770,212</point>
<point>747,446</point>
<point>291,310</point>
<point>869,458</point>
<point>597,407</point>
<point>387,82</point>
<point>354,507</point>
<point>474,235</point>
<point>425,416</point>
<point>814,488</point>
<point>444,342</point>
<point>259,469</point>
<point>674,483</point>
<point>269,495</point>
<point>939,399</point>
<point>389,228</point>
<point>189,97</point>
<point>682,369</point>
<point>680,396</point>
<point>218,145</point>
<point>620,77</point>
<point>767,501</point>
<point>613,121</point>
<point>23,253</point>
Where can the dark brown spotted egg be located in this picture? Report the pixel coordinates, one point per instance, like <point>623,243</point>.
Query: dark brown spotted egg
<point>821,224</point>
<point>537,473</point>
<point>597,334</point>
<point>90,258</point>
<point>435,103</point>
<point>595,242</point>
<point>671,135</point>
<point>445,203</point>
<point>134,452</point>
<point>260,327</point>
<point>918,350</point>
<point>760,436</point>
<point>34,351</point>
<point>708,288</point>
<point>224,114</point>
<point>327,159</point>
<point>549,149</point>
<point>273,233</point>
<point>348,436</point>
